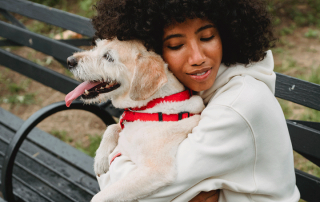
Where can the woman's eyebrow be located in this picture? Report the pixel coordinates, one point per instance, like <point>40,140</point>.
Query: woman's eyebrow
<point>181,35</point>
<point>203,28</point>
<point>173,36</point>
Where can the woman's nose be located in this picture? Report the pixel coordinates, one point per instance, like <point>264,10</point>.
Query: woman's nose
<point>197,56</point>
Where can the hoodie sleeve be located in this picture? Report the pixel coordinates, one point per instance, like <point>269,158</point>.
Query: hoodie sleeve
<point>221,147</point>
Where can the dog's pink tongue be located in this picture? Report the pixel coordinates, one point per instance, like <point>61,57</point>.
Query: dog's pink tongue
<point>79,90</point>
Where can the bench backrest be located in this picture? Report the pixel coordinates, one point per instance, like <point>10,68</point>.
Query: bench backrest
<point>305,136</point>
<point>17,35</point>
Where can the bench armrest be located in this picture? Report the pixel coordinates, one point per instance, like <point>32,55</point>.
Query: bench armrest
<point>28,125</point>
<point>2,200</point>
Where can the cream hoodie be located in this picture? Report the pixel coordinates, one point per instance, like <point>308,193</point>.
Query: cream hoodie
<point>241,145</point>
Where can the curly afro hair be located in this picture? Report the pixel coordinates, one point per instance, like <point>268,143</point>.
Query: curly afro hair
<point>244,26</point>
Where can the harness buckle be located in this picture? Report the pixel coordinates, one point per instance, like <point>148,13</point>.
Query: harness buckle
<point>180,115</point>
<point>160,116</point>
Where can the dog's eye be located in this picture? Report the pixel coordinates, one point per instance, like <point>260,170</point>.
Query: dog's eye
<point>108,57</point>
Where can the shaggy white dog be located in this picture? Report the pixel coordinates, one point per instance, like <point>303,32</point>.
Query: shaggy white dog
<point>131,76</point>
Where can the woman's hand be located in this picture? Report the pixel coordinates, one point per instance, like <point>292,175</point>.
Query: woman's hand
<point>211,196</point>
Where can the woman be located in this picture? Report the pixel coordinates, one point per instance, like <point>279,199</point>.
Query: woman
<point>219,49</point>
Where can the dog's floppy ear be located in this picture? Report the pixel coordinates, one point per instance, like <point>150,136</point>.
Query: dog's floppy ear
<point>149,76</point>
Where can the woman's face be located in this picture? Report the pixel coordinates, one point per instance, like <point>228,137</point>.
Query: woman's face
<point>193,51</point>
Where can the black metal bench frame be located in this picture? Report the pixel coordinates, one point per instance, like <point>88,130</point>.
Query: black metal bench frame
<point>305,136</point>
<point>16,34</point>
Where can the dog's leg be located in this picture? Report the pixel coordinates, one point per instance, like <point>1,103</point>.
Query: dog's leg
<point>108,143</point>
<point>141,182</point>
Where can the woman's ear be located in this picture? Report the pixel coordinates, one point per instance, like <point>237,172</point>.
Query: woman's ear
<point>148,77</point>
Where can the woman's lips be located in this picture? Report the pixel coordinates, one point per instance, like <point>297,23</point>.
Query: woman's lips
<point>202,77</point>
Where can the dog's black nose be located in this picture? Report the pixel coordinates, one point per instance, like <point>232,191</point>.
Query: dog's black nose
<point>72,62</point>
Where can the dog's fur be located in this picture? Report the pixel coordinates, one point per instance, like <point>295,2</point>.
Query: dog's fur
<point>152,146</point>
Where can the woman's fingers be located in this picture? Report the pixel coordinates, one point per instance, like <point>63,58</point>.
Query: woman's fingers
<point>211,196</point>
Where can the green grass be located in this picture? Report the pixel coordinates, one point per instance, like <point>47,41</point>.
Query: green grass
<point>277,50</point>
<point>94,142</point>
<point>285,108</point>
<point>48,2</point>
<point>311,115</point>
<point>62,135</point>
<point>86,8</point>
<point>286,65</point>
<point>26,99</point>
<point>285,43</point>
<point>301,12</point>
<point>15,88</point>
<point>44,28</point>
<point>306,166</point>
<point>311,33</point>
<point>16,92</point>
<point>313,76</point>
<point>88,148</point>
<point>287,30</point>
<point>68,73</point>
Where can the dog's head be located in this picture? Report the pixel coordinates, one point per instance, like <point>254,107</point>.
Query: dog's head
<point>116,70</point>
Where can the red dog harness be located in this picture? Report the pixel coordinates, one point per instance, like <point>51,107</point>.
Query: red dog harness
<point>130,114</point>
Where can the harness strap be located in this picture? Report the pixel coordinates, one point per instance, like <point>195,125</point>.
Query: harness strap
<point>117,155</point>
<point>178,97</point>
<point>130,116</point>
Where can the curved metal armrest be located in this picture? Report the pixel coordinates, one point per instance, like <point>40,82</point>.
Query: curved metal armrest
<point>28,125</point>
<point>2,200</point>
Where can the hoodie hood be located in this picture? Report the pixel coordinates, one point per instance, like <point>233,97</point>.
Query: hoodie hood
<point>262,71</point>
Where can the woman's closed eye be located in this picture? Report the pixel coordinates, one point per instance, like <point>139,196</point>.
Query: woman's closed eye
<point>175,47</point>
<point>207,39</point>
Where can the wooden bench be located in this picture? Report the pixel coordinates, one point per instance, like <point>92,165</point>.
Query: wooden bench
<point>62,173</point>
<point>45,168</point>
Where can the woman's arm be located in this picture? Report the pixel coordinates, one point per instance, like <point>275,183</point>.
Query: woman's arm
<point>221,148</point>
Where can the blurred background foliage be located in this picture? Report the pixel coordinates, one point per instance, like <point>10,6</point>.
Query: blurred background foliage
<point>301,12</point>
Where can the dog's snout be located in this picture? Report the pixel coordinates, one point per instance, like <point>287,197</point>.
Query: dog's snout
<point>72,62</point>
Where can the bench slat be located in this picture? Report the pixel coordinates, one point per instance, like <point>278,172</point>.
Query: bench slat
<point>31,189</point>
<point>36,165</point>
<point>25,189</point>
<point>51,163</point>
<point>38,42</point>
<point>49,15</point>
<point>24,193</point>
<point>12,19</point>
<point>314,125</point>
<point>42,180</point>
<point>305,140</point>
<point>41,74</point>
<point>47,142</point>
<point>72,42</point>
<point>7,42</point>
<point>298,91</point>
<point>308,185</point>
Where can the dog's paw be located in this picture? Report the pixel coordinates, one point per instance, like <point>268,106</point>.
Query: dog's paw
<point>98,198</point>
<point>101,163</point>
<point>103,197</point>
